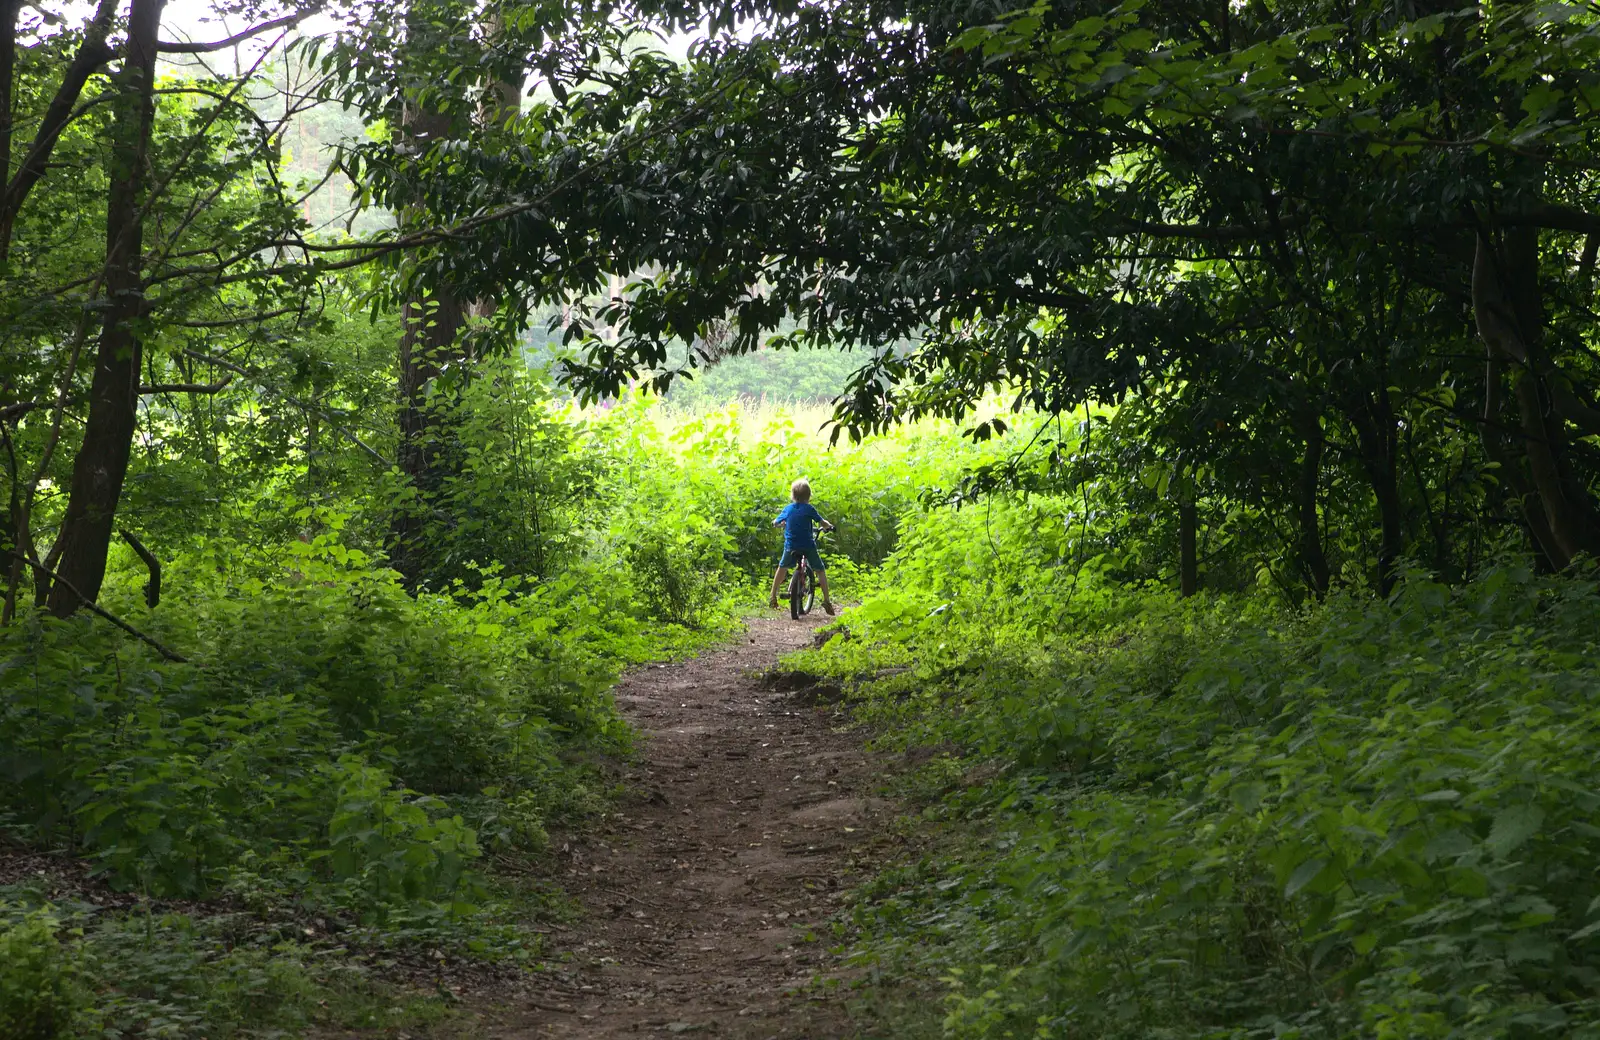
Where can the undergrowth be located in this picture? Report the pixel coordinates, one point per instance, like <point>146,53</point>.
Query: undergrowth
<point>338,748</point>
<point>1225,817</point>
<point>74,969</point>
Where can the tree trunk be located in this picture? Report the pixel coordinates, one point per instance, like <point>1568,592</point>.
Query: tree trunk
<point>502,103</point>
<point>9,11</point>
<point>1312,558</point>
<point>9,537</point>
<point>92,53</point>
<point>1188,565</point>
<point>101,464</point>
<point>1508,308</point>
<point>431,326</point>
<point>432,320</point>
<point>1374,423</point>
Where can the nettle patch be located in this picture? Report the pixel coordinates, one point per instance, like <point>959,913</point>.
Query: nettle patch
<point>1208,817</point>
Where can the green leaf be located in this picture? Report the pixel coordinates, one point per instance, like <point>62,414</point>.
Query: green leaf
<point>1512,827</point>
<point>1247,796</point>
<point>1304,875</point>
<point>1584,932</point>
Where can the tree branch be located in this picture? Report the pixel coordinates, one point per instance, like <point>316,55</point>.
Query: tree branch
<point>227,323</point>
<point>96,608</point>
<point>271,392</point>
<point>287,21</point>
<point>92,53</point>
<point>187,388</point>
<point>1195,232</point>
<point>1552,216</point>
<point>152,588</point>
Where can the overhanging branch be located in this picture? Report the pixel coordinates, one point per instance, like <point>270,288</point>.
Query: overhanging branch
<point>1552,217</point>
<point>92,53</point>
<point>287,21</point>
<point>103,612</point>
<point>297,402</point>
<point>187,388</point>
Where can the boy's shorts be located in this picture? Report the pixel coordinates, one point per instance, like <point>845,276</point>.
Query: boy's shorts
<point>790,557</point>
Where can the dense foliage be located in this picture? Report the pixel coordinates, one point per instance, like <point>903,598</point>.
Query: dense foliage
<point>1212,423</point>
<point>809,376</point>
<point>1222,816</point>
<point>335,748</point>
<point>1315,246</point>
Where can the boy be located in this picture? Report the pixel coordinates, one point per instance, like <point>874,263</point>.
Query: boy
<point>796,521</point>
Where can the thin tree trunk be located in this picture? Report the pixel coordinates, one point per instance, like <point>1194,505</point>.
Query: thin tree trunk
<point>1188,565</point>
<point>9,12</point>
<point>1508,308</point>
<point>501,104</point>
<point>1312,558</point>
<point>10,538</point>
<point>1495,446</point>
<point>92,53</point>
<point>1391,526</point>
<point>1437,523</point>
<point>1375,435</point>
<point>101,464</point>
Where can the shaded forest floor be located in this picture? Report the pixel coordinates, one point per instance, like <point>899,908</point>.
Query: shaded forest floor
<point>706,897</point>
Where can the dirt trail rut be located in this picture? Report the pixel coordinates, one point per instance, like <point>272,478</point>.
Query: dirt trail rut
<point>752,811</point>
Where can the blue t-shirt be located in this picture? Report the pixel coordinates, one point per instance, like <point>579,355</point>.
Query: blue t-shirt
<point>797,517</point>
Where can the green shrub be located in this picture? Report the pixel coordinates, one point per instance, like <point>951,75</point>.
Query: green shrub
<point>692,495</point>
<point>388,843</point>
<point>522,481</point>
<point>312,665</point>
<point>319,676</point>
<point>93,971</point>
<point>677,571</point>
<point>342,744</point>
<point>1223,818</point>
<point>39,992</point>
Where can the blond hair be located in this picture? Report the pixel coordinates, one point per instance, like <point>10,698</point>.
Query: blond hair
<point>800,491</point>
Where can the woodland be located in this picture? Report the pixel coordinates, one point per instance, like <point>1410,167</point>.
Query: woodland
<point>1207,393</point>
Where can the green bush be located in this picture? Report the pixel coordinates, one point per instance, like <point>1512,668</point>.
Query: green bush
<point>303,684</point>
<point>39,992</point>
<point>387,842</point>
<point>1225,818</point>
<point>342,745</point>
<point>93,971</point>
<point>769,374</point>
<point>676,573</point>
<point>693,493</point>
<point>522,481</point>
<point>312,669</point>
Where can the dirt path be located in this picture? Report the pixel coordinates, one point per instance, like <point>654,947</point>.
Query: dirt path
<point>752,813</point>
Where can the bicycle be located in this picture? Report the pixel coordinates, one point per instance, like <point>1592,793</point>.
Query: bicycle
<point>803,585</point>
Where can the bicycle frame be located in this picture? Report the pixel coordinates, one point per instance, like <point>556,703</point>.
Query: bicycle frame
<point>802,589</point>
<point>803,586</point>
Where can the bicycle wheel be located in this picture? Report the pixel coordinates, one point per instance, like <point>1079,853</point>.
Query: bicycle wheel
<point>809,593</point>
<point>797,584</point>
